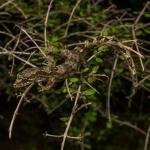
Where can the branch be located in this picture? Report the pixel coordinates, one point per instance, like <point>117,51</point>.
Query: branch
<point>17,109</point>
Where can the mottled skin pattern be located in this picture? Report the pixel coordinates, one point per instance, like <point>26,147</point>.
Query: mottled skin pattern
<point>50,75</point>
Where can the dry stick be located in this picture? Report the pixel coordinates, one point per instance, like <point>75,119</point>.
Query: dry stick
<point>133,31</point>
<point>130,125</point>
<point>19,9</point>
<point>34,43</point>
<point>5,27</point>
<point>141,13</point>
<point>70,118</point>
<point>46,21</point>
<point>88,84</point>
<point>73,10</point>
<point>137,48</point>
<point>31,54</point>
<point>12,36</point>
<point>10,53</point>
<point>5,4</point>
<point>17,109</point>
<point>67,86</point>
<point>13,61</point>
<point>16,52</point>
<point>122,46</point>
<point>140,85</point>
<point>83,106</point>
<point>8,34</point>
<point>109,87</point>
<point>147,138</point>
<point>61,136</point>
<point>140,82</point>
<point>123,123</point>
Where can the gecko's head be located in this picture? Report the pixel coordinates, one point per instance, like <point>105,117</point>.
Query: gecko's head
<point>25,78</point>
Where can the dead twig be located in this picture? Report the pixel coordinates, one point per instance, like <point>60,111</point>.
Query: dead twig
<point>73,10</point>
<point>17,109</point>
<point>134,29</point>
<point>5,4</point>
<point>44,55</point>
<point>13,61</point>
<point>61,136</point>
<point>11,53</point>
<point>46,21</point>
<point>147,138</point>
<point>67,86</point>
<point>70,118</point>
<point>122,122</point>
<point>109,87</point>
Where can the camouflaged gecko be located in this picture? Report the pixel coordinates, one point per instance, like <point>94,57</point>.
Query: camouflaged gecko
<point>46,76</point>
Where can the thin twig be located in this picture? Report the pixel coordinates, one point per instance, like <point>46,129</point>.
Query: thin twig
<point>133,31</point>
<point>83,106</point>
<point>11,53</point>
<point>46,21</point>
<point>67,86</point>
<point>61,136</point>
<point>34,43</point>
<point>19,9</point>
<point>13,61</point>
<point>137,48</point>
<point>122,46</point>
<point>122,122</point>
<point>88,84</point>
<point>70,118</point>
<point>140,82</point>
<point>5,4</point>
<point>16,52</point>
<point>17,109</point>
<point>73,10</point>
<point>109,87</point>
<point>141,13</point>
<point>31,54</point>
<point>147,138</point>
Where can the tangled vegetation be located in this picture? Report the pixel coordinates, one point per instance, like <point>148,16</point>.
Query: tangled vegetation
<point>74,75</point>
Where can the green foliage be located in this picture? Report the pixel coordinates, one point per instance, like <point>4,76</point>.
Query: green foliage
<point>89,92</point>
<point>50,110</point>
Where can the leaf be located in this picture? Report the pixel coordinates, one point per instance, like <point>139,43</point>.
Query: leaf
<point>64,119</point>
<point>90,79</point>
<point>74,79</point>
<point>54,39</point>
<point>147,15</point>
<point>109,125</point>
<point>89,92</point>
<point>147,30</point>
<point>95,69</point>
<point>85,70</point>
<point>99,60</point>
<point>106,70</point>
